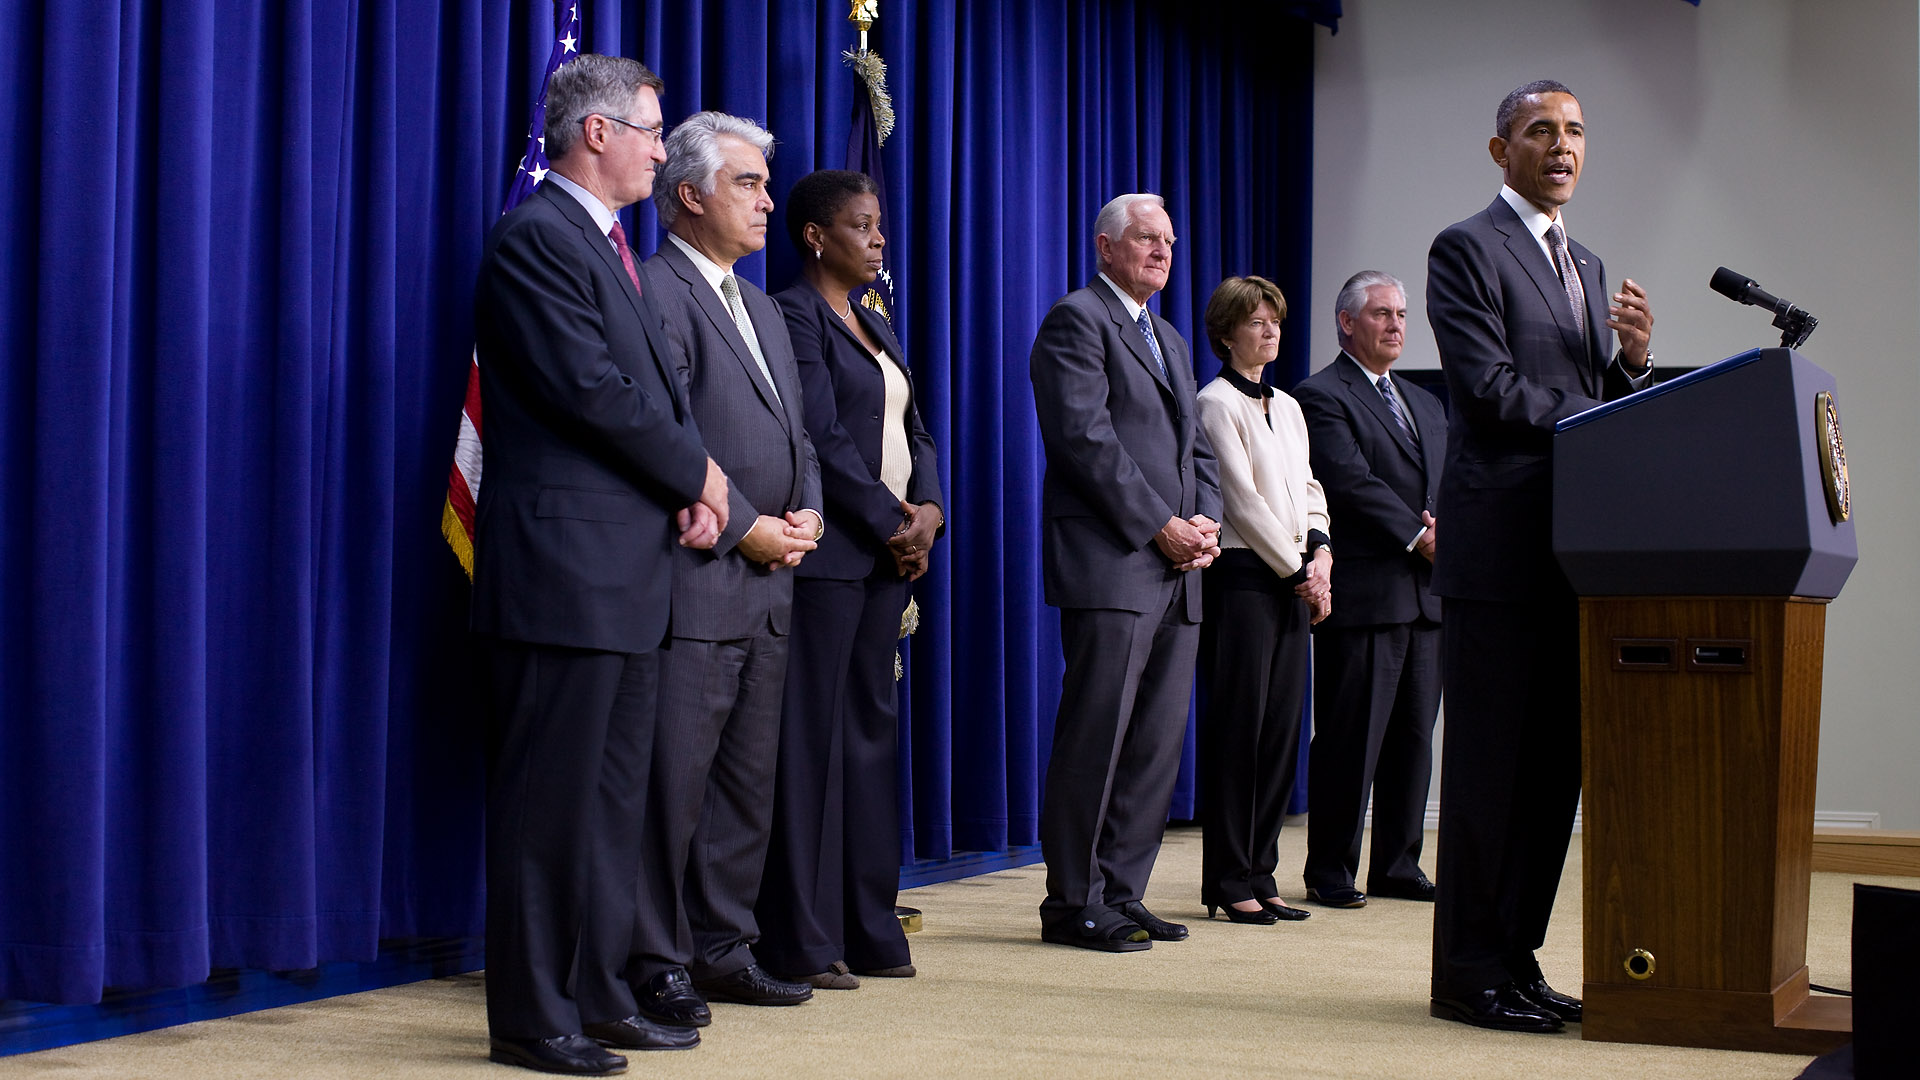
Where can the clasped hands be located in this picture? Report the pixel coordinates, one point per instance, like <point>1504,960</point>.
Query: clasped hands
<point>1425,545</point>
<point>1191,543</point>
<point>912,542</point>
<point>1317,590</point>
<point>773,542</point>
<point>701,523</point>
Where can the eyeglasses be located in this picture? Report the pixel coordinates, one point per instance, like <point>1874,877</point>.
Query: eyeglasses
<point>659,133</point>
<point>1152,240</point>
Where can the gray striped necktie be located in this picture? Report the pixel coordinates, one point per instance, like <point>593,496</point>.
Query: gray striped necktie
<point>1569,276</point>
<point>1393,406</point>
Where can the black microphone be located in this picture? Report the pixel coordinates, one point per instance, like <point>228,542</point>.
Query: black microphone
<point>1795,324</point>
<point>1745,290</point>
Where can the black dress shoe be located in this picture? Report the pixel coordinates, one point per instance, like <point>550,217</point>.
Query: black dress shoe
<point>1503,1008</point>
<point>670,998</point>
<point>751,985</point>
<point>574,1055</point>
<point>1259,916</point>
<point>1418,889</point>
<point>1344,896</point>
<point>1110,932</point>
<point>1156,927</point>
<point>640,1033</point>
<point>1286,912</point>
<point>1552,1001</point>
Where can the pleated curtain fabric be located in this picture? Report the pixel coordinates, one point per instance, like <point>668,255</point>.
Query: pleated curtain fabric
<point>237,255</point>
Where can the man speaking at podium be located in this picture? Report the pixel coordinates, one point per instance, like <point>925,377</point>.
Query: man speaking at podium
<point>1521,316</point>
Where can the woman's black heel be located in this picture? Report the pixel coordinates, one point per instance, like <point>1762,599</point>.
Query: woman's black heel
<point>1259,917</point>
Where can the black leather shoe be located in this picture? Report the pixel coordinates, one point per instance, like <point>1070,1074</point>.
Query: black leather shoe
<point>574,1055</point>
<point>1156,927</point>
<point>670,998</point>
<point>1345,896</point>
<point>640,1033</point>
<point>1418,889</point>
<point>1286,912</point>
<point>1551,1001</point>
<point>1503,1008</point>
<point>1110,932</point>
<point>751,985</point>
<point>1259,916</point>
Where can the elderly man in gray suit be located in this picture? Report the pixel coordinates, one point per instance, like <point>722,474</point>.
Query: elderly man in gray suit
<point>1130,506</point>
<point>725,661</point>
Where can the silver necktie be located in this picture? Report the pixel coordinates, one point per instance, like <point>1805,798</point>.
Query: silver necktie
<point>731,290</point>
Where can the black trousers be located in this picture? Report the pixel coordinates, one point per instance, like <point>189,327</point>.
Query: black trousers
<point>833,868</point>
<point>1376,690</point>
<point>568,738</point>
<point>714,750</point>
<point>1509,785</point>
<point>1254,648</point>
<point>1116,753</point>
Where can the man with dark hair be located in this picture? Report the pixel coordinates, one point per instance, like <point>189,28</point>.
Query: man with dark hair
<point>594,467</point>
<point>1130,504</point>
<point>1522,317</point>
<point>1377,443</point>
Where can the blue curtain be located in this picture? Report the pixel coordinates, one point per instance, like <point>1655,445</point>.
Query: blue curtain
<point>237,246</point>
<point>1017,121</point>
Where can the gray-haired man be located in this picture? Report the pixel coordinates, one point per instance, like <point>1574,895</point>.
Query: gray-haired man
<point>1130,504</point>
<point>1377,443</point>
<point>724,666</point>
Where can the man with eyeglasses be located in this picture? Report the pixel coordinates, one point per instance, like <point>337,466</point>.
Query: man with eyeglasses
<point>1130,505</point>
<point>595,470</point>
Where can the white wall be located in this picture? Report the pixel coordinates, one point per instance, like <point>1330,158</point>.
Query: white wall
<point>1778,138</point>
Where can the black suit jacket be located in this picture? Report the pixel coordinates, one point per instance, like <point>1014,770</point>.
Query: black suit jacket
<point>1124,454</point>
<point>846,397</point>
<point>590,446</point>
<point>760,439</point>
<point>1515,366</point>
<point>1377,483</point>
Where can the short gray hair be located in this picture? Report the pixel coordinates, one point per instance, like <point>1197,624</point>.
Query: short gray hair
<point>587,84</point>
<point>694,157</point>
<point>1112,220</point>
<point>1353,295</point>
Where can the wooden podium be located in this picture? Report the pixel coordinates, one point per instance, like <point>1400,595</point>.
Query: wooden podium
<point>1704,524</point>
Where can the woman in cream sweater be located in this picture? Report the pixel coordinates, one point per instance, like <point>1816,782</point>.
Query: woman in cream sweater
<point>1269,585</point>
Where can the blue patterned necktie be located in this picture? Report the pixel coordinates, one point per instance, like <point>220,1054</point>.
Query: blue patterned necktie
<point>1145,322</point>
<point>1393,406</point>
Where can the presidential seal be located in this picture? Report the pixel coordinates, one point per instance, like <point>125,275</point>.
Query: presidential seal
<point>1833,455</point>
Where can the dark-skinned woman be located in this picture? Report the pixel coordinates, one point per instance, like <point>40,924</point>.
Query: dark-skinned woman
<point>833,869</point>
<point>1267,587</point>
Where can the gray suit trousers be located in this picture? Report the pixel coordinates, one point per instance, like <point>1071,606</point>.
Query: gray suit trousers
<point>709,810</point>
<point>1116,752</point>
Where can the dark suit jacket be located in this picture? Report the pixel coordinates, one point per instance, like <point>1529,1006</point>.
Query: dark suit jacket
<point>1515,366</point>
<point>590,447</point>
<point>846,396</point>
<point>759,440</point>
<point>1377,483</point>
<point>1124,454</point>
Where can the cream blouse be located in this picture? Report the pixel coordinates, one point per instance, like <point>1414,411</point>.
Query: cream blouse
<point>1267,487</point>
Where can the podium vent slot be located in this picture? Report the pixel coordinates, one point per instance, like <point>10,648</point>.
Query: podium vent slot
<point>1644,654</point>
<point>1725,656</point>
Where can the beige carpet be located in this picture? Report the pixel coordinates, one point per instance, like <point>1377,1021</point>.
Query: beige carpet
<point>1340,995</point>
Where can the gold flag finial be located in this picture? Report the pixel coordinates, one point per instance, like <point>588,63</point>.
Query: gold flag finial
<point>862,15</point>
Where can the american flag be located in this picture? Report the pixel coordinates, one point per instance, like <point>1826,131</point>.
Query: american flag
<point>463,481</point>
